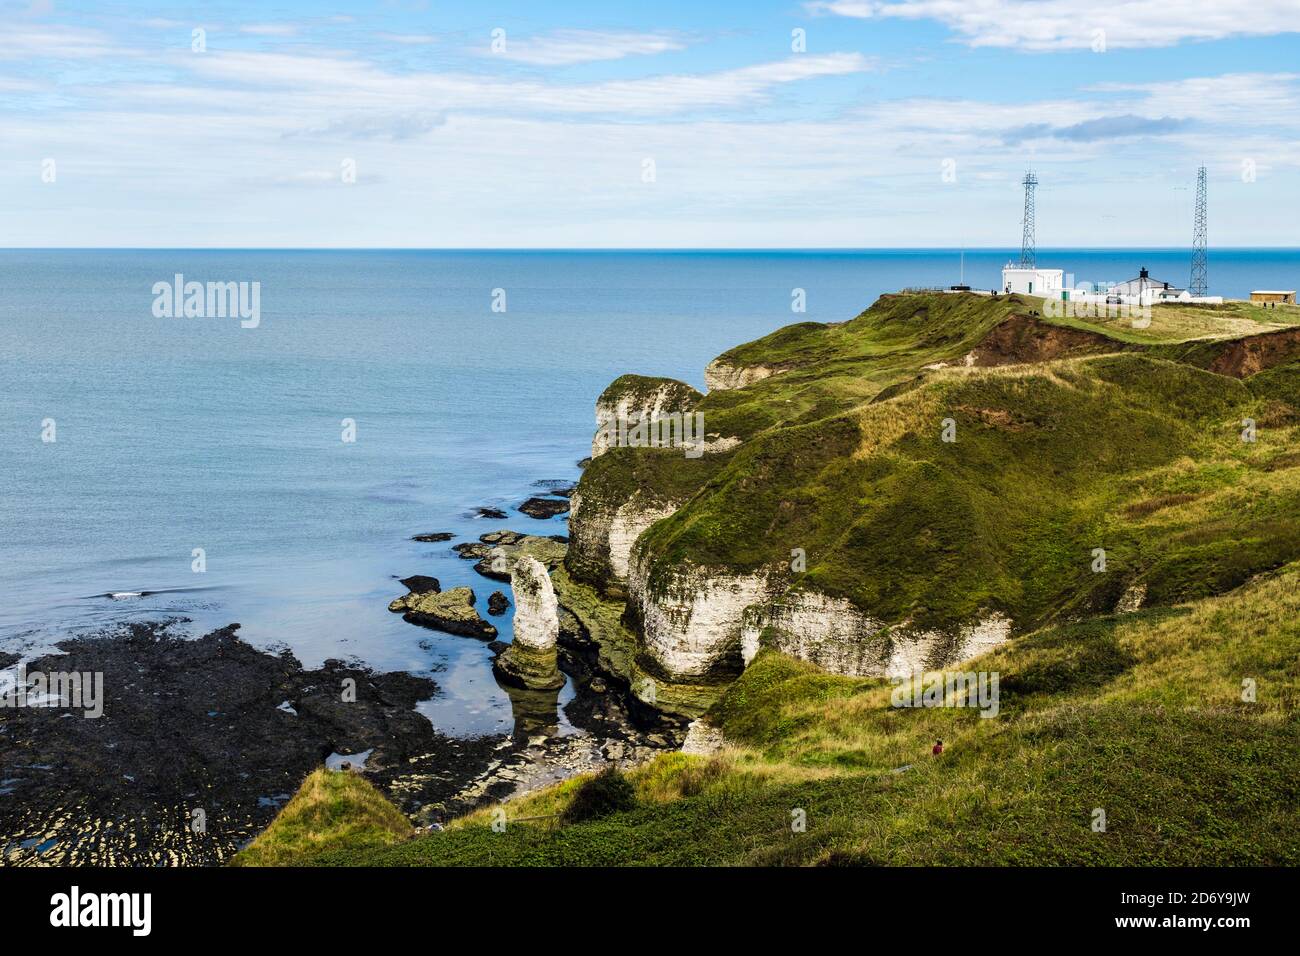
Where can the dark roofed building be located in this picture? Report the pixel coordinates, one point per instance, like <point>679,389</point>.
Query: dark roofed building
<point>1145,285</point>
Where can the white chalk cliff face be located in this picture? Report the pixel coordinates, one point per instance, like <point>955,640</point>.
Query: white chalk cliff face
<point>706,622</point>
<point>719,376</point>
<point>692,627</point>
<point>604,538</point>
<point>637,406</point>
<point>537,613</point>
<point>839,638</point>
<point>626,526</point>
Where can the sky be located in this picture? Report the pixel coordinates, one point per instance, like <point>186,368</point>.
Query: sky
<point>832,123</point>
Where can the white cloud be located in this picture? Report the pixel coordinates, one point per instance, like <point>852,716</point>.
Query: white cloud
<point>242,147</point>
<point>1270,99</point>
<point>566,47</point>
<point>335,81</point>
<point>270,29</point>
<point>19,41</point>
<point>408,39</point>
<point>1073,24</point>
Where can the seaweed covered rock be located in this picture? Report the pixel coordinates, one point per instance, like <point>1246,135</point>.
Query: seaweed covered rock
<point>451,611</point>
<point>495,553</point>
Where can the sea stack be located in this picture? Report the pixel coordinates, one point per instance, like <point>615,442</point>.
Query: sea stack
<point>530,661</point>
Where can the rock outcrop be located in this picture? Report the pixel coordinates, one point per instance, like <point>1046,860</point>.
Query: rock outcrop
<point>705,624</point>
<point>702,739</point>
<point>420,583</point>
<point>639,398</point>
<point>720,376</point>
<point>496,552</point>
<point>531,660</point>
<point>451,611</point>
<point>543,508</point>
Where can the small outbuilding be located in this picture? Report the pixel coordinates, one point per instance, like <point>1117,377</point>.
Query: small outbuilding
<point>1272,297</point>
<point>1048,283</point>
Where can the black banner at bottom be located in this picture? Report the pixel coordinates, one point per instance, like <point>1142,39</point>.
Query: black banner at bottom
<point>218,905</point>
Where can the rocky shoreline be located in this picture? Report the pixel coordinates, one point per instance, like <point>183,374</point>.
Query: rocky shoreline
<point>214,725</point>
<point>202,740</point>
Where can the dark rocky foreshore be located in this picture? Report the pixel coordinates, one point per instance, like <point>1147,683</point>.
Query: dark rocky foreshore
<point>216,725</point>
<point>209,724</point>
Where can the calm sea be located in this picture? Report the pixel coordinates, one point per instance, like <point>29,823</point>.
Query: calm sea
<point>174,434</point>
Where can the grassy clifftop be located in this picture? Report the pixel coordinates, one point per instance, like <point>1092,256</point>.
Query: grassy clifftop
<point>821,368</point>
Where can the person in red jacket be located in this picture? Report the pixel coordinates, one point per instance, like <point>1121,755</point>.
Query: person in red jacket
<point>937,748</point>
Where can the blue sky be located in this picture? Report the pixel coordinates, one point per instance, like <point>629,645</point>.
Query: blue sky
<point>669,124</point>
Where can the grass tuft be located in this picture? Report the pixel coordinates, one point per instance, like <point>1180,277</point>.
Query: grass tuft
<point>331,810</point>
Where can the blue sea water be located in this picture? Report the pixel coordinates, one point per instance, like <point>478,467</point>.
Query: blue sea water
<point>180,433</point>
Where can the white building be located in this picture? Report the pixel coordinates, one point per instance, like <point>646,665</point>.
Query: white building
<point>1041,282</point>
<point>1140,291</point>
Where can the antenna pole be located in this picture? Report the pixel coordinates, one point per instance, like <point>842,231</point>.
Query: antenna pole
<point>1028,253</point>
<point>1200,264</point>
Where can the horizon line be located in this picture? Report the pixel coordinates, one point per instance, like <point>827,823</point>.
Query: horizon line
<point>617,249</point>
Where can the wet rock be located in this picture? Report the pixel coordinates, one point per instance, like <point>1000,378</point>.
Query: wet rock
<point>496,514</point>
<point>542,508</point>
<point>584,462</point>
<point>556,486</point>
<point>498,647</point>
<point>497,603</point>
<point>433,536</point>
<point>451,611</point>
<point>419,583</point>
<point>531,660</point>
<point>495,565</point>
<point>502,537</point>
<point>494,560</point>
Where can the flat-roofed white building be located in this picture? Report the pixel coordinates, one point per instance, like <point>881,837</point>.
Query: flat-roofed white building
<point>1048,283</point>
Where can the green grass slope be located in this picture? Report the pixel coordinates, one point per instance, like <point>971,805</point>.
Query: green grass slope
<point>331,810</point>
<point>1138,456</point>
<point>1140,716</point>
